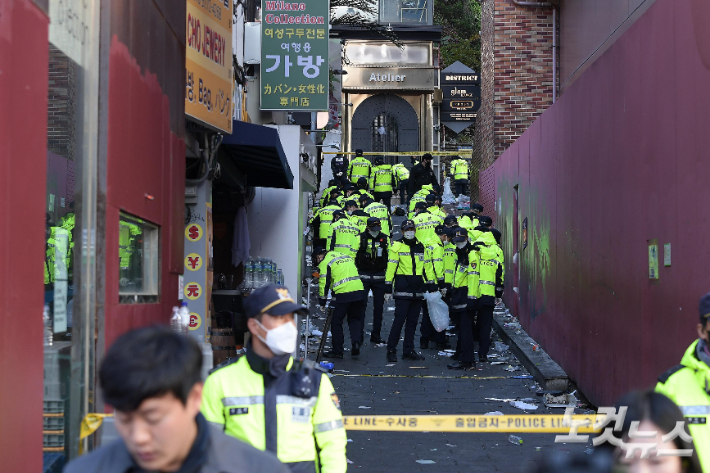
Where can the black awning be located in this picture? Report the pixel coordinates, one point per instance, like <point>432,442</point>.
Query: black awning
<point>256,151</point>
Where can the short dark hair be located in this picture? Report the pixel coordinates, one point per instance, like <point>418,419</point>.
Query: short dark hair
<point>149,362</point>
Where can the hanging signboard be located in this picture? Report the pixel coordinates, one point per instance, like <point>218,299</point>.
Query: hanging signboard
<point>209,84</point>
<point>294,55</point>
<point>462,96</point>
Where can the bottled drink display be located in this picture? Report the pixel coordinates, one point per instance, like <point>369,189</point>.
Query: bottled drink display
<point>176,320</point>
<point>47,321</point>
<point>259,272</point>
<point>184,317</point>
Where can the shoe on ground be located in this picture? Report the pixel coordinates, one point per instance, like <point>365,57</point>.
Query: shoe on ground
<point>376,340</point>
<point>461,365</point>
<point>332,354</point>
<point>356,349</point>
<point>455,356</point>
<point>424,344</point>
<point>413,356</point>
<point>443,346</point>
<point>483,359</point>
<point>391,356</point>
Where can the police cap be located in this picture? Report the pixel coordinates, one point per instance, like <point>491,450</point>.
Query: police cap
<point>449,219</point>
<point>477,206</point>
<point>364,198</point>
<point>350,203</point>
<point>271,299</point>
<point>374,223</point>
<point>408,225</point>
<point>362,182</point>
<point>460,234</point>
<point>705,308</point>
<point>442,230</point>
<point>379,160</point>
<point>340,213</point>
<point>358,152</point>
<point>485,220</point>
<point>430,199</point>
<point>420,205</point>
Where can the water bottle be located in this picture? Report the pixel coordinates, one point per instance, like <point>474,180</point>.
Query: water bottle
<point>249,275</point>
<point>272,272</point>
<point>176,320</point>
<point>279,277</point>
<point>184,318</point>
<point>258,272</point>
<point>48,333</point>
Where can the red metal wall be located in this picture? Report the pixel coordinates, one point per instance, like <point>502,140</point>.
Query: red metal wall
<point>619,160</point>
<point>146,148</point>
<point>24,55</point>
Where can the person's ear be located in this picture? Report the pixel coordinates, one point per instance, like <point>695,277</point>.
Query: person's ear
<point>703,333</point>
<point>194,398</point>
<point>253,326</point>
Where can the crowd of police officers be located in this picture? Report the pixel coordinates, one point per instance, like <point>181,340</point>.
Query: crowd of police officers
<point>356,254</point>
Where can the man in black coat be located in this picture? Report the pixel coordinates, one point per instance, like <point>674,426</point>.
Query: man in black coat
<point>422,174</point>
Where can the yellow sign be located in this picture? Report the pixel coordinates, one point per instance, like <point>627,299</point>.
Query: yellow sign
<point>193,261</point>
<point>195,321</point>
<point>193,232</point>
<point>472,423</point>
<point>209,84</point>
<point>193,291</point>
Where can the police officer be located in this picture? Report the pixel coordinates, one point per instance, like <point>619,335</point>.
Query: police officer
<point>491,274</point>
<point>484,224</point>
<point>339,166</point>
<point>345,235</point>
<point>375,209</point>
<point>450,221</point>
<point>422,174</point>
<point>688,385</point>
<point>273,402</point>
<point>401,179</point>
<point>469,220</point>
<point>420,196</point>
<point>359,167</point>
<point>357,217</point>
<point>425,222</point>
<point>325,196</point>
<point>361,189</point>
<point>340,280</point>
<point>322,222</point>
<point>434,209</point>
<point>382,181</point>
<point>371,263</point>
<point>459,172</point>
<point>462,306</point>
<point>408,272</point>
<point>434,250</point>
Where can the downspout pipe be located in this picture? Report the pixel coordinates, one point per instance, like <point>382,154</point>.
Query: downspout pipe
<point>522,3</point>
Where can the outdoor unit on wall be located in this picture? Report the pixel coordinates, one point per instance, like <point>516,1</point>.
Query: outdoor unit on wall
<point>252,42</point>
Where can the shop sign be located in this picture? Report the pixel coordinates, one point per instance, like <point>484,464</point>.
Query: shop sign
<point>462,96</point>
<point>209,85</point>
<point>398,78</point>
<point>294,55</point>
<point>69,27</point>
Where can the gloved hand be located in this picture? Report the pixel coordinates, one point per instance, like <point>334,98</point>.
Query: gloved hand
<point>443,292</point>
<point>499,292</point>
<point>388,298</point>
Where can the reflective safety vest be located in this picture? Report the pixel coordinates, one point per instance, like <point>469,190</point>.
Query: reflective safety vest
<point>381,179</point>
<point>459,169</point>
<point>325,196</point>
<point>339,274</point>
<point>325,219</point>
<point>295,416</point>
<point>345,237</point>
<point>408,271</point>
<point>449,263</point>
<point>489,265</point>
<point>425,224</point>
<point>127,234</point>
<point>434,251</point>
<point>359,219</point>
<point>358,193</point>
<point>380,211</point>
<point>466,222</point>
<point>359,167</point>
<point>459,288</point>
<point>688,385</point>
<point>438,213</point>
<point>474,275</point>
<point>401,173</point>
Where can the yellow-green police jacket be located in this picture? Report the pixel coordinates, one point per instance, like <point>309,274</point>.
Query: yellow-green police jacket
<point>359,167</point>
<point>449,263</point>
<point>425,224</point>
<point>345,237</point>
<point>381,179</point>
<point>688,385</point>
<point>434,251</point>
<point>281,406</point>
<point>380,211</point>
<point>339,274</point>
<point>491,268</point>
<point>410,271</point>
<point>459,169</point>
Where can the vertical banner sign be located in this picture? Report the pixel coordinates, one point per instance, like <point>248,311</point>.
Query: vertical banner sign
<point>294,55</point>
<point>653,259</point>
<point>209,83</point>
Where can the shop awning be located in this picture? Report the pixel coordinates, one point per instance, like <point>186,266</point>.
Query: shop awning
<point>256,151</point>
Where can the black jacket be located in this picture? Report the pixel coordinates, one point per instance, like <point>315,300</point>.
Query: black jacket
<point>367,260</point>
<point>212,452</point>
<point>339,164</point>
<point>419,176</point>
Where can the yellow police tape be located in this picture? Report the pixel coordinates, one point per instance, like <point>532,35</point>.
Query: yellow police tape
<point>346,375</point>
<point>471,423</point>
<point>401,153</point>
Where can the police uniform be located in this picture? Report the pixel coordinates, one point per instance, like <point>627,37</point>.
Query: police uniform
<point>359,167</point>
<point>459,171</point>
<point>401,179</point>
<point>433,250</point>
<point>407,277</point>
<point>381,212</point>
<point>425,223</point>
<point>322,222</point>
<point>279,405</point>
<point>345,237</point>
<point>340,278</point>
<point>339,166</point>
<point>371,263</point>
<point>381,183</point>
<point>491,274</point>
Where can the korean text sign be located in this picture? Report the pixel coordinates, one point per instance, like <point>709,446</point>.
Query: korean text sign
<point>294,55</point>
<point>209,80</point>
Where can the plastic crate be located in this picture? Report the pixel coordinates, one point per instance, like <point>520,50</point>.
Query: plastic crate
<point>53,440</point>
<point>53,423</point>
<point>53,406</point>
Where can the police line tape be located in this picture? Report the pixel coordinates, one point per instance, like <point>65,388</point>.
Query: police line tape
<point>400,153</point>
<point>547,423</point>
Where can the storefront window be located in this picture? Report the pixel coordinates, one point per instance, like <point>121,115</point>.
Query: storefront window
<point>138,255</point>
<point>70,226</point>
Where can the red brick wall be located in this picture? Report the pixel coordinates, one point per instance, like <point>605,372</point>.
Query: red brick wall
<point>516,75</point>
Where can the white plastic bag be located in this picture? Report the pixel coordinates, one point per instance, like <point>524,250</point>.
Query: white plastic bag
<point>448,197</point>
<point>438,310</point>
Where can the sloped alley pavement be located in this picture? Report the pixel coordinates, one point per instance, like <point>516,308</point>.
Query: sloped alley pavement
<point>369,385</point>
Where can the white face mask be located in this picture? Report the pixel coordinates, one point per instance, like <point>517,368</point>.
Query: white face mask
<point>374,233</point>
<point>350,212</point>
<point>282,339</point>
<point>409,235</point>
<point>461,244</point>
